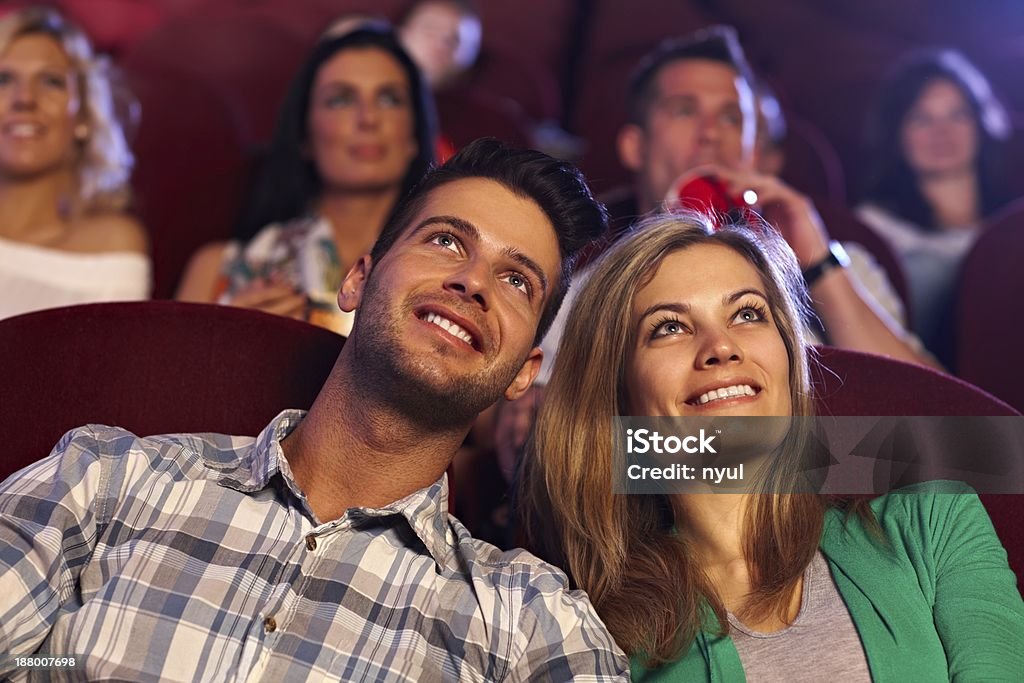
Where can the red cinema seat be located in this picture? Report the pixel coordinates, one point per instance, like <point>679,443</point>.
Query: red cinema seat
<point>248,58</point>
<point>860,384</point>
<point>152,367</point>
<point>191,170</point>
<point>812,164</point>
<point>989,320</point>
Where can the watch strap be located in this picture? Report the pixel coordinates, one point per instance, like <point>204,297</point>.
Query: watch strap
<point>836,258</point>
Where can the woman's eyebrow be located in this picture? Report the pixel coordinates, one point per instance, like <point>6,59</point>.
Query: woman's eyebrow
<point>682,309</point>
<point>738,294</point>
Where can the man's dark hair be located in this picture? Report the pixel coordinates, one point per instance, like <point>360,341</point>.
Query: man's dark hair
<point>716,43</point>
<point>557,187</point>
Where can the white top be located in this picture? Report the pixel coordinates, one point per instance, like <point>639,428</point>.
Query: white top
<point>33,278</point>
<point>931,260</point>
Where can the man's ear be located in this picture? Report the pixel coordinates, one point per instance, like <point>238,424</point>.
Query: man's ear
<point>630,143</point>
<point>524,378</point>
<point>351,292</point>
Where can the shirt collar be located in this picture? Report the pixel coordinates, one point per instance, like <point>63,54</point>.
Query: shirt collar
<point>255,463</point>
<point>425,510</point>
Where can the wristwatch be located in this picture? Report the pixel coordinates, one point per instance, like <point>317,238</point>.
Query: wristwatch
<point>837,258</point>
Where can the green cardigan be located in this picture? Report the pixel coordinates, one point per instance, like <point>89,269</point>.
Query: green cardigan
<point>941,604</point>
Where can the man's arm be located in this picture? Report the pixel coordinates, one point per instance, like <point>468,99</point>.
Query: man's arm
<point>561,638</point>
<point>853,320</point>
<point>50,514</point>
<point>850,319</point>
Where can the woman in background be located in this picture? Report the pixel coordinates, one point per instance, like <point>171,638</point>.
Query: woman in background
<point>356,131</point>
<point>931,140</point>
<point>771,581</point>
<point>64,168</point>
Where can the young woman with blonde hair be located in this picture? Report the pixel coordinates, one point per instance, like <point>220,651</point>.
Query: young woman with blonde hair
<point>681,319</point>
<point>64,168</point>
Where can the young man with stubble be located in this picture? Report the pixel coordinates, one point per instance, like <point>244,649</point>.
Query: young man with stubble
<point>322,548</point>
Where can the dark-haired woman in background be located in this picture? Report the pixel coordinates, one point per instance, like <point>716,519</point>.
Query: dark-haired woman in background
<point>931,141</point>
<point>356,131</point>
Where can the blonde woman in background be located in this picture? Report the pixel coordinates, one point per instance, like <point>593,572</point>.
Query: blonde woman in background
<point>64,168</point>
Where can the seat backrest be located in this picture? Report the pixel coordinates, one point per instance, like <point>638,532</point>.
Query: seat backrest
<point>191,169</point>
<point>467,114</point>
<point>518,77</point>
<point>812,164</point>
<point>249,58</point>
<point>152,367</point>
<point>852,383</point>
<point>989,324</point>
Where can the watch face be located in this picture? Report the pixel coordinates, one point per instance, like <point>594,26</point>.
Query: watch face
<point>839,255</point>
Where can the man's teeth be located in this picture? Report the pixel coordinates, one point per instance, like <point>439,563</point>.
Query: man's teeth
<point>726,392</point>
<point>449,327</point>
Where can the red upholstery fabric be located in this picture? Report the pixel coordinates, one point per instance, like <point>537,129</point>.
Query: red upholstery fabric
<point>526,81</point>
<point>114,25</point>
<point>852,383</point>
<point>990,327</point>
<point>812,165</point>
<point>152,367</point>
<point>537,29</point>
<point>620,34</point>
<point>249,58</point>
<point>467,114</point>
<point>191,170</point>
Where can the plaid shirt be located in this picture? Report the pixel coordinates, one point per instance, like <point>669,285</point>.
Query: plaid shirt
<point>196,558</point>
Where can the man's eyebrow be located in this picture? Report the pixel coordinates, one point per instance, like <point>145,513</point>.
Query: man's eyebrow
<point>467,229</point>
<point>530,265</point>
<point>460,225</point>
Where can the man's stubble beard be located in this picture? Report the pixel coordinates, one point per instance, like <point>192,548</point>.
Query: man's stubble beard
<point>413,383</point>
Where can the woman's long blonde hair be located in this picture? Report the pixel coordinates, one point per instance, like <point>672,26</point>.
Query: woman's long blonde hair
<point>624,550</point>
<point>104,163</point>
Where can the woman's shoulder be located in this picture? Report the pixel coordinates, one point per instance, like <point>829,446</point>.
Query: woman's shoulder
<point>110,231</point>
<point>918,511</point>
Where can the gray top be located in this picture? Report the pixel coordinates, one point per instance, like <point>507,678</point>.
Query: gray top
<point>931,260</point>
<point>820,645</point>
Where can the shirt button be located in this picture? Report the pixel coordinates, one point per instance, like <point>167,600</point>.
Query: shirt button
<point>269,625</point>
<point>311,542</point>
